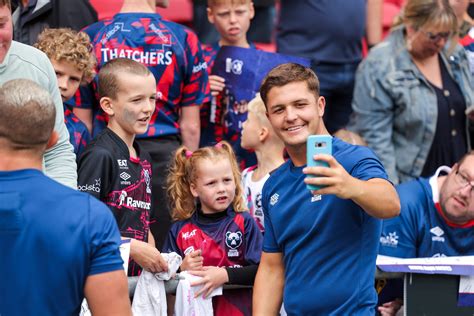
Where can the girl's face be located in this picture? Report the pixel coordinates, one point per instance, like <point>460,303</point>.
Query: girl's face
<point>214,185</point>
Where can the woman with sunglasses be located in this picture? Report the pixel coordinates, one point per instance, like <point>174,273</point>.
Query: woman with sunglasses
<point>412,92</point>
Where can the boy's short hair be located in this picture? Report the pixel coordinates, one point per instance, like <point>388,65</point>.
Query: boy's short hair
<point>211,3</point>
<point>288,73</point>
<point>109,84</point>
<point>6,3</point>
<point>257,107</point>
<point>67,45</point>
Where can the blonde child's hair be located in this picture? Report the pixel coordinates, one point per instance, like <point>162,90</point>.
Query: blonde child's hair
<point>184,172</point>
<point>65,44</point>
<point>257,107</point>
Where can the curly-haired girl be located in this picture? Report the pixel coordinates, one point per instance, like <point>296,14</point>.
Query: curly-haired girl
<point>219,241</point>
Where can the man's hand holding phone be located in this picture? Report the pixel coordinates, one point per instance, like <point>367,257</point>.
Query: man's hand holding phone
<point>325,174</point>
<point>332,180</point>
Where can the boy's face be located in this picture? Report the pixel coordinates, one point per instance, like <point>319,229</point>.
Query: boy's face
<point>232,21</point>
<point>130,112</point>
<point>251,129</point>
<point>69,78</point>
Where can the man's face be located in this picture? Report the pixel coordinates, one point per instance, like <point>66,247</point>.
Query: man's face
<point>295,113</point>
<point>232,21</point>
<point>457,193</point>
<point>6,31</point>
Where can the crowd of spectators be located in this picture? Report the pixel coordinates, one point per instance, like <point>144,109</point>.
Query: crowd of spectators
<point>398,100</point>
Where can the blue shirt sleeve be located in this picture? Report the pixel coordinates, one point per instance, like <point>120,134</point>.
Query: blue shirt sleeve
<point>369,167</point>
<point>104,238</point>
<point>269,241</point>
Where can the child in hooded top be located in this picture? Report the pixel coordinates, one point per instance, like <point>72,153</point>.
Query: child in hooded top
<point>217,238</point>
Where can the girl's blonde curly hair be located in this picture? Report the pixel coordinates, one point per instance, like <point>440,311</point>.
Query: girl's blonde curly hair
<point>184,172</point>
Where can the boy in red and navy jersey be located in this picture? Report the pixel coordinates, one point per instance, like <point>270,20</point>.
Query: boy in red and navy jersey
<point>232,20</point>
<point>173,54</point>
<point>115,168</point>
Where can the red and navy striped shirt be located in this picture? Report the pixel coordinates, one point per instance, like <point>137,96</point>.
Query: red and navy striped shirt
<point>171,51</point>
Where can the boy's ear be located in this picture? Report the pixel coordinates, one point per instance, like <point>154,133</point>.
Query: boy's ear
<point>107,106</point>
<point>252,10</point>
<point>210,15</point>
<point>263,135</point>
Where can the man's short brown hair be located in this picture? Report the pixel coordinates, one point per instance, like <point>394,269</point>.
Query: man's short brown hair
<point>109,74</point>
<point>470,153</point>
<point>6,3</point>
<point>288,73</point>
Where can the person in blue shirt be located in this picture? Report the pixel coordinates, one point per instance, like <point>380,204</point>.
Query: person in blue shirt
<point>319,244</point>
<point>436,219</point>
<point>437,216</point>
<point>62,243</point>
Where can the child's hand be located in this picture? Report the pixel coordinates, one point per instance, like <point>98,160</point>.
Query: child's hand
<point>147,256</point>
<point>390,308</point>
<point>217,84</point>
<point>192,261</point>
<point>212,278</point>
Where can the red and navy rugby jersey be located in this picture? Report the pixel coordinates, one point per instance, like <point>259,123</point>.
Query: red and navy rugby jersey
<point>107,171</point>
<point>232,241</point>
<point>79,135</point>
<point>171,51</point>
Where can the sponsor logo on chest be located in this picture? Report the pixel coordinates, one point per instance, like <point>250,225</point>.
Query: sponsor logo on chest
<point>390,240</point>
<point>187,235</point>
<point>437,234</point>
<point>126,200</point>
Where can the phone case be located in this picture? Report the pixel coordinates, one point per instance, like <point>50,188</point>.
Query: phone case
<point>317,144</point>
